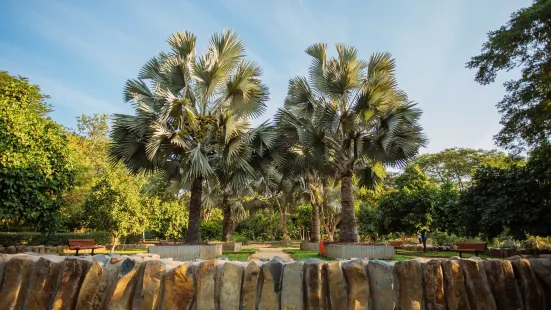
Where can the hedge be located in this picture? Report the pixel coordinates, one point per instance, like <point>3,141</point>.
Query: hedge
<point>36,238</point>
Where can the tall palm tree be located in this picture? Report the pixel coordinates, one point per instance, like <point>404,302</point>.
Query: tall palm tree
<point>191,115</point>
<point>351,114</point>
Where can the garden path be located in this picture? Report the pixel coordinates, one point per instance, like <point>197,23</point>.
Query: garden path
<point>269,254</point>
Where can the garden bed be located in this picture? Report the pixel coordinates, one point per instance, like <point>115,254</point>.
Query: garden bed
<point>187,252</point>
<point>310,246</point>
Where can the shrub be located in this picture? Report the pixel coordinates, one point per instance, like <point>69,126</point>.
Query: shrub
<point>440,238</point>
<point>54,239</point>
<point>537,242</point>
<point>240,238</point>
<point>211,230</point>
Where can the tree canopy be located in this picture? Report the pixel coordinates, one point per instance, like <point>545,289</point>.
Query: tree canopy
<point>525,43</point>
<point>35,168</point>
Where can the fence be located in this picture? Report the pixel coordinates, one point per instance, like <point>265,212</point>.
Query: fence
<point>310,246</point>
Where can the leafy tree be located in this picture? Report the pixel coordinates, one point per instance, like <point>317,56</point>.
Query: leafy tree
<point>458,165</point>
<point>517,198</point>
<point>351,114</point>
<point>303,220</point>
<point>115,207</point>
<point>410,208</point>
<point>34,158</point>
<point>192,116</point>
<point>166,219</point>
<point>525,43</point>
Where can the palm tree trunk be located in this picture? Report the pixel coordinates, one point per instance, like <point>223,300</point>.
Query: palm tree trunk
<point>283,220</point>
<point>228,224</point>
<point>316,234</point>
<point>194,222</point>
<point>349,232</point>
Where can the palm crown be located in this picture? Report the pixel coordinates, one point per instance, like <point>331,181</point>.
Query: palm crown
<point>351,115</point>
<point>192,117</point>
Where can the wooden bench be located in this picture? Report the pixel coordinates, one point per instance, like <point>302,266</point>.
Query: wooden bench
<point>396,244</point>
<point>471,247</point>
<point>83,244</point>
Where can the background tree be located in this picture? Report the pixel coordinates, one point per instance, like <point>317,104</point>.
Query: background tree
<point>458,165</point>
<point>410,208</point>
<point>523,42</point>
<point>191,115</point>
<point>516,198</point>
<point>34,158</point>
<point>115,207</point>
<point>352,113</point>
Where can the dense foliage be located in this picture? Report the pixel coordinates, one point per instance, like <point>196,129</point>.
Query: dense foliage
<point>50,239</point>
<point>525,43</point>
<point>34,158</point>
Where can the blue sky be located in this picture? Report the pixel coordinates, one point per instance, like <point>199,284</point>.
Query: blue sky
<point>82,52</point>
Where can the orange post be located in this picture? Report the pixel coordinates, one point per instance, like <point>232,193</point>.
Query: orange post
<point>322,247</point>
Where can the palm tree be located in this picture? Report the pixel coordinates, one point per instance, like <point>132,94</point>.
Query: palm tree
<point>191,115</point>
<point>351,115</point>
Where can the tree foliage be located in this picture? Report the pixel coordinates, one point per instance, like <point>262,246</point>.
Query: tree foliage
<point>525,43</point>
<point>517,198</point>
<point>34,158</point>
<point>192,117</point>
<point>351,114</point>
<point>458,165</point>
<point>115,207</point>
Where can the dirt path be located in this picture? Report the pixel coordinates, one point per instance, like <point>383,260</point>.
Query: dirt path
<point>269,254</point>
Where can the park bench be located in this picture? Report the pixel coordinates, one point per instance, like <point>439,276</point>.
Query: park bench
<point>396,244</point>
<point>471,247</point>
<point>83,244</point>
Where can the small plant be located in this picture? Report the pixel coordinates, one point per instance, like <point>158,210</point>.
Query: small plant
<point>537,242</point>
<point>440,238</point>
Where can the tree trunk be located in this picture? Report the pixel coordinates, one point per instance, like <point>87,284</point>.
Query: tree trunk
<point>316,234</point>
<point>114,243</point>
<point>349,231</point>
<point>143,236</point>
<point>228,223</point>
<point>194,222</point>
<point>283,220</point>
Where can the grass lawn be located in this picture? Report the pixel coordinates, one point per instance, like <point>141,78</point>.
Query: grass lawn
<point>105,251</point>
<point>238,257</point>
<point>447,254</point>
<point>304,255</point>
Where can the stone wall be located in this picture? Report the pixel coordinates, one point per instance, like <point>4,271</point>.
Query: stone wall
<point>141,282</point>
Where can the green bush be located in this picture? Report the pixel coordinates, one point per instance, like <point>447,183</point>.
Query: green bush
<point>55,239</point>
<point>211,230</point>
<point>237,237</point>
<point>440,238</point>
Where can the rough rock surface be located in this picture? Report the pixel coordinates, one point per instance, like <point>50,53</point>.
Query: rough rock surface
<point>206,285</point>
<point>292,297</point>
<point>503,285</point>
<point>93,287</point>
<point>478,290</point>
<point>314,284</point>
<point>72,276</point>
<point>148,285</point>
<point>44,284</point>
<point>271,285</point>
<point>177,289</point>
<point>337,297</point>
<point>250,286</point>
<point>119,295</point>
<point>434,285</point>
<point>230,291</point>
<point>358,285</point>
<point>529,287</point>
<point>542,270</point>
<point>454,286</point>
<point>382,284</point>
<point>409,276</point>
<point>12,292</point>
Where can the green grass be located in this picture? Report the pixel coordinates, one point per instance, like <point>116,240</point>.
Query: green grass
<point>238,257</point>
<point>251,250</point>
<point>447,254</point>
<point>304,255</point>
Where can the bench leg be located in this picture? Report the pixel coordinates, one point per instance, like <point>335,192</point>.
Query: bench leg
<point>460,255</point>
<point>476,253</point>
<point>92,251</point>
<point>76,253</point>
